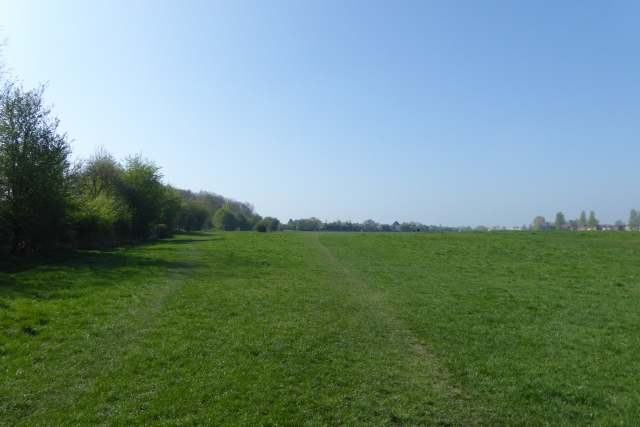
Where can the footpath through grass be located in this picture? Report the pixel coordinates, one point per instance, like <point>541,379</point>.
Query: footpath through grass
<point>326,329</point>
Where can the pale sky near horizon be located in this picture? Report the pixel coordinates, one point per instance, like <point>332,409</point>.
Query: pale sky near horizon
<point>456,112</point>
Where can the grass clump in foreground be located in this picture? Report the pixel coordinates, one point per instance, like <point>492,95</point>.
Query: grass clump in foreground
<point>326,329</point>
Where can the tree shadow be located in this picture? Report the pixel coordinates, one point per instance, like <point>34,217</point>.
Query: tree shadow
<point>45,275</point>
<point>183,241</point>
<point>62,272</point>
<point>65,256</point>
<point>191,233</point>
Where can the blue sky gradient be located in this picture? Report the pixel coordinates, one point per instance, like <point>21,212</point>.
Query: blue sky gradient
<point>460,113</point>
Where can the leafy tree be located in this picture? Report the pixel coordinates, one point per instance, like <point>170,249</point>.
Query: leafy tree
<point>634,220</point>
<point>243,223</point>
<point>172,206</point>
<point>99,210</point>
<point>271,223</point>
<point>560,221</point>
<point>582,221</point>
<point>310,224</point>
<point>34,191</point>
<point>405,226</point>
<point>193,215</point>
<point>369,225</point>
<point>592,222</point>
<point>539,223</point>
<point>144,193</point>
<point>94,220</point>
<point>102,174</point>
<point>224,219</point>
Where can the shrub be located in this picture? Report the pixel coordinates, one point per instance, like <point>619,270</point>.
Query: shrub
<point>94,220</point>
<point>224,220</point>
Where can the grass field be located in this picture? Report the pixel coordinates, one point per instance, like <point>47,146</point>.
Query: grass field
<point>303,329</point>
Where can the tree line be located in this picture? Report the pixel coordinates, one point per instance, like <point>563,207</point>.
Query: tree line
<point>315,224</point>
<point>48,200</point>
<point>584,223</point>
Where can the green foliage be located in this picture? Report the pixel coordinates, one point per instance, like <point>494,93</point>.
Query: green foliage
<point>101,174</point>
<point>260,227</point>
<point>243,223</point>
<point>634,220</point>
<point>33,168</point>
<point>143,191</point>
<point>539,223</point>
<point>162,231</point>
<point>225,220</point>
<point>172,207</point>
<point>405,226</point>
<point>5,230</point>
<point>341,226</point>
<point>43,200</point>
<point>267,224</point>
<point>560,221</point>
<point>310,224</point>
<point>386,228</point>
<point>95,220</point>
<point>193,215</point>
<point>370,225</point>
<point>592,222</point>
<point>582,221</point>
<point>271,223</point>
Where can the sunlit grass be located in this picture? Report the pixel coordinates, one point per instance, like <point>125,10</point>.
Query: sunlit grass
<point>326,329</point>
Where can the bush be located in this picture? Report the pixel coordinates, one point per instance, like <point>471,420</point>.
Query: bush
<point>260,227</point>
<point>94,220</point>
<point>224,220</point>
<point>193,215</point>
<point>271,223</point>
<point>406,227</point>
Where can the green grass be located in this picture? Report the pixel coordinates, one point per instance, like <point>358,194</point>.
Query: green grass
<point>326,329</point>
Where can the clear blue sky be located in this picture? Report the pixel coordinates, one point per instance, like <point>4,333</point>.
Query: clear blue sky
<point>460,113</point>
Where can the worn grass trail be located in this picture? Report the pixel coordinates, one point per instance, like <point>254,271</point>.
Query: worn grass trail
<point>211,329</point>
<point>534,328</point>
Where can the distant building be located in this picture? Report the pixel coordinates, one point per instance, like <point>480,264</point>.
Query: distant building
<point>611,227</point>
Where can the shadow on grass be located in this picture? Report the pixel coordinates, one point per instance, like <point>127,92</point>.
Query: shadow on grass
<point>182,241</point>
<point>77,257</point>
<point>45,274</point>
<point>192,233</point>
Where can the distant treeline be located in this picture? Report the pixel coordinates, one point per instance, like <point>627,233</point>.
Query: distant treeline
<point>314,224</point>
<point>585,223</point>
